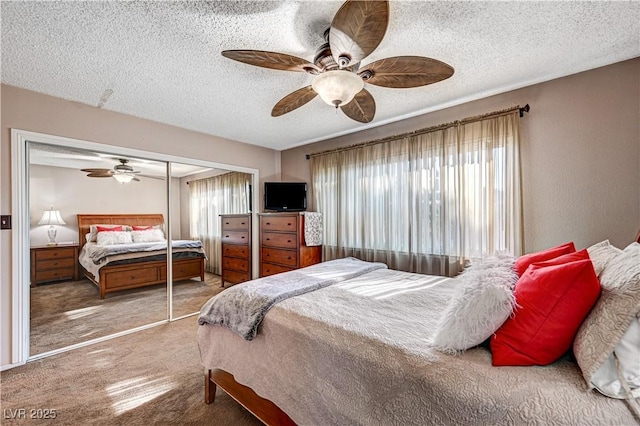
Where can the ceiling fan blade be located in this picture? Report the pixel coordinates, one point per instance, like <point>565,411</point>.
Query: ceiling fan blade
<point>273,60</point>
<point>135,179</point>
<point>96,170</point>
<point>357,29</point>
<point>362,108</point>
<point>99,175</point>
<point>151,177</point>
<point>405,71</point>
<point>293,101</point>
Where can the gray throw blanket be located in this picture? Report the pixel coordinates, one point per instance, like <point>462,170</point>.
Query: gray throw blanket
<point>243,306</point>
<point>99,253</point>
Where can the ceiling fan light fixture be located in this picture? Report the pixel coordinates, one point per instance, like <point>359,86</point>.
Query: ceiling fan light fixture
<point>123,177</point>
<point>338,87</point>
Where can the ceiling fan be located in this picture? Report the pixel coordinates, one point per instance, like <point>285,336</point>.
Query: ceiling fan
<point>122,172</point>
<point>356,30</point>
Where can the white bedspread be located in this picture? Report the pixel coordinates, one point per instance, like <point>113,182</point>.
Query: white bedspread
<point>359,352</point>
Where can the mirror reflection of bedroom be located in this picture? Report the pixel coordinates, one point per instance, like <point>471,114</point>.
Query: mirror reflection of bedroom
<point>98,242</point>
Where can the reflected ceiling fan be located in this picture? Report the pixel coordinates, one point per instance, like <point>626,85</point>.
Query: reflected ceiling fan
<point>356,30</point>
<point>122,172</point>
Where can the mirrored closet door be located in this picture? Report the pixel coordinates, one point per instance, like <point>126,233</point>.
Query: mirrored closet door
<point>199,197</point>
<point>94,207</point>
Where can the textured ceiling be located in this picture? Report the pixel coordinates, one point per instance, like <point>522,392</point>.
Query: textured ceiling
<point>161,60</point>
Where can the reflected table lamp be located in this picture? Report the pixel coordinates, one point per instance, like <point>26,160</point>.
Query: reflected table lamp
<point>52,218</point>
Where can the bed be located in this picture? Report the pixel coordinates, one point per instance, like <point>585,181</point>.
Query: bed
<point>143,271</point>
<point>358,352</point>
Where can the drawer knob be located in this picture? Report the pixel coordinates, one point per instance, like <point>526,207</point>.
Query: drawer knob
<point>242,223</point>
<point>226,236</point>
<point>288,224</point>
<point>268,239</point>
<point>243,237</point>
<point>288,241</point>
<point>289,258</point>
<point>55,254</point>
<point>133,277</point>
<point>226,223</point>
<point>268,223</point>
<point>55,264</point>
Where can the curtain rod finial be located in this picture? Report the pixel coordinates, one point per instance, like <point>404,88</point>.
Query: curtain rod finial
<point>308,156</point>
<point>524,109</point>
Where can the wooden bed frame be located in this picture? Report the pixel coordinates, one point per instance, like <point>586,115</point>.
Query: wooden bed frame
<point>266,411</point>
<point>134,275</point>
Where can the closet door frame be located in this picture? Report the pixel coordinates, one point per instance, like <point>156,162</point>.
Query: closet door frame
<point>20,275</point>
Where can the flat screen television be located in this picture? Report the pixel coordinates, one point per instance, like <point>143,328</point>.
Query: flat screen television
<point>285,196</point>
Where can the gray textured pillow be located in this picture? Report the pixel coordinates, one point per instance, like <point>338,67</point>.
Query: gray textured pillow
<point>482,303</point>
<point>601,254</point>
<point>610,318</point>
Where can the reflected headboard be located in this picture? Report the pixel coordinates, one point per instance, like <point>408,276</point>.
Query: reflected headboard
<point>86,220</point>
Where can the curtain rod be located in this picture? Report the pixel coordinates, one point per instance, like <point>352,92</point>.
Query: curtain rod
<point>522,110</point>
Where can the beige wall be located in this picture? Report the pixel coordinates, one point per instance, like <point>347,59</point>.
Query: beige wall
<point>26,110</point>
<point>580,154</point>
<point>59,186</point>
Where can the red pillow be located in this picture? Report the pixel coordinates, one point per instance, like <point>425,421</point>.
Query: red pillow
<point>523,261</point>
<point>552,300</point>
<point>109,228</point>
<point>142,228</point>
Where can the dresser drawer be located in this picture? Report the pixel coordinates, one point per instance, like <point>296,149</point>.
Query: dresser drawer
<point>235,237</point>
<point>235,277</point>
<point>54,274</point>
<point>235,263</point>
<point>240,223</point>
<point>278,239</point>
<point>44,265</point>
<point>279,223</point>
<point>186,269</point>
<point>267,269</point>
<point>283,257</point>
<point>236,251</point>
<point>58,253</point>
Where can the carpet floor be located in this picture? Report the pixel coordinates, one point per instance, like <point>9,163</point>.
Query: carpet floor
<point>145,378</point>
<point>66,313</point>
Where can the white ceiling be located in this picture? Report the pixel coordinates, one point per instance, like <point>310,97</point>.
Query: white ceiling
<point>74,158</point>
<point>162,61</point>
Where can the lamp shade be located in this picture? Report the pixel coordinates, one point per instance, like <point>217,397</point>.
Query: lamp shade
<point>123,177</point>
<point>337,87</point>
<point>51,217</point>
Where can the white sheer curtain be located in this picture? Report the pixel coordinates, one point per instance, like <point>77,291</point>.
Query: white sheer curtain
<point>427,202</point>
<point>211,197</point>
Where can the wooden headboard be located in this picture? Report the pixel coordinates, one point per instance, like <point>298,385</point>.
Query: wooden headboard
<point>86,220</point>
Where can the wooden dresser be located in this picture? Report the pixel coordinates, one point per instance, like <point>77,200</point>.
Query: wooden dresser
<point>54,263</point>
<point>282,245</point>
<point>236,248</point>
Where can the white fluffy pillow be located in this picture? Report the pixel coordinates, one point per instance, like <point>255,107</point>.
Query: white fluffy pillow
<point>482,303</point>
<point>148,236</point>
<point>110,238</point>
<point>601,254</point>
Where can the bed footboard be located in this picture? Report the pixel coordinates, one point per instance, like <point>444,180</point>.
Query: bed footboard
<point>266,411</point>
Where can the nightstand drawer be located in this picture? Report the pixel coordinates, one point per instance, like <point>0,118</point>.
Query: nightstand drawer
<point>241,223</point>
<point>44,265</point>
<point>236,251</point>
<point>279,223</point>
<point>55,253</point>
<point>54,274</point>
<point>283,257</point>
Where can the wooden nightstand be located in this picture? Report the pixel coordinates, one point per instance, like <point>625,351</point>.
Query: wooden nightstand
<point>54,263</point>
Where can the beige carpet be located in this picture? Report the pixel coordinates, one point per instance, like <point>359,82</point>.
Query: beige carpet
<point>147,378</point>
<point>71,312</point>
